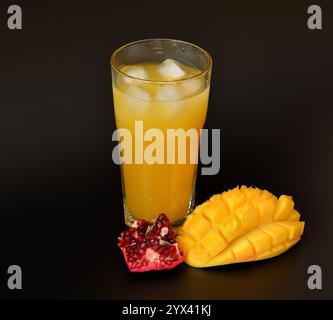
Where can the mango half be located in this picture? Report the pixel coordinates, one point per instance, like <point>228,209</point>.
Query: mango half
<point>239,225</point>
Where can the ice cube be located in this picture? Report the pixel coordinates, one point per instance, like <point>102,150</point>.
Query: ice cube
<point>168,93</point>
<point>171,109</point>
<point>137,99</point>
<point>138,93</point>
<point>134,71</point>
<point>170,70</point>
<point>171,101</point>
<point>192,86</point>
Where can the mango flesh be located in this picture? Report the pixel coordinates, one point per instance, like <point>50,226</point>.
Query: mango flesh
<point>239,225</point>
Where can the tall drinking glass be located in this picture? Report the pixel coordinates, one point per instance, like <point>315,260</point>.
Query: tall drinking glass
<point>160,93</point>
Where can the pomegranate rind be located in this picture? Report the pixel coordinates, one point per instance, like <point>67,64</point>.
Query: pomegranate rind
<point>152,267</point>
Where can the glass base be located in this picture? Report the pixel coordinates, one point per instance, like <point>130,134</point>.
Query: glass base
<point>130,218</point>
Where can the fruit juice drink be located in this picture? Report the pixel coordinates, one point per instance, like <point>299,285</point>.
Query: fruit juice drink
<point>162,95</point>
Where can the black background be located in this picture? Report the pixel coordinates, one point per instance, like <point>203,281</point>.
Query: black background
<point>60,196</point>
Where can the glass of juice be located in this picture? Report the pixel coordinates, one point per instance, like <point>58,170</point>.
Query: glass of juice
<point>160,86</point>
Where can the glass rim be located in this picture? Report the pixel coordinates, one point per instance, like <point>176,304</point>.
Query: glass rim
<point>195,76</point>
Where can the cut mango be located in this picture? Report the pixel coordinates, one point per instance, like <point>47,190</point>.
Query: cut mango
<point>239,225</point>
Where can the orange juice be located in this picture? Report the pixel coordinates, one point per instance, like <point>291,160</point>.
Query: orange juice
<point>150,189</point>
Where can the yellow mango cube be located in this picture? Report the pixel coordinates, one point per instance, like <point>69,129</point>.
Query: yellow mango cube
<point>216,211</point>
<point>231,228</point>
<point>213,242</point>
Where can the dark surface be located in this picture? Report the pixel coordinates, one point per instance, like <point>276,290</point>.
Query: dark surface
<point>60,200</point>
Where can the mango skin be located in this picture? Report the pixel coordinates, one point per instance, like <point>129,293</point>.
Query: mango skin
<point>240,225</point>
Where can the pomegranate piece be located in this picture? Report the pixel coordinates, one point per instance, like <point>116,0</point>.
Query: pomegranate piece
<point>150,246</point>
